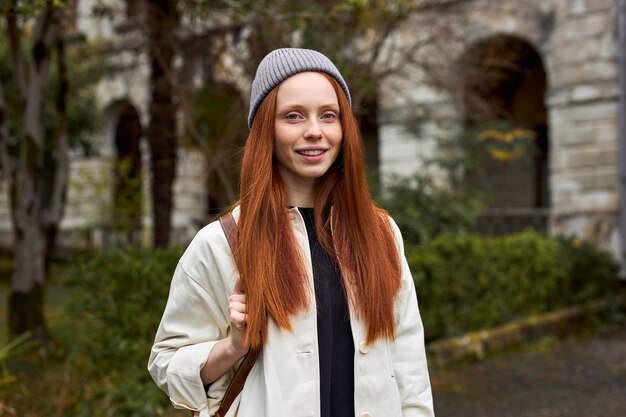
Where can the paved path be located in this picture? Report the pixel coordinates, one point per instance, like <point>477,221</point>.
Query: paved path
<point>571,378</point>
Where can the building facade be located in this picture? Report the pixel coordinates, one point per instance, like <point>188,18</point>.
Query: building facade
<point>548,67</point>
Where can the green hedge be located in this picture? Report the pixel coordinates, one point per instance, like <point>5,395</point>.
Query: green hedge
<point>120,297</point>
<point>472,282</point>
<point>424,210</point>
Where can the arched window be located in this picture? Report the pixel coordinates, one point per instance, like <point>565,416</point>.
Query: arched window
<point>506,128</point>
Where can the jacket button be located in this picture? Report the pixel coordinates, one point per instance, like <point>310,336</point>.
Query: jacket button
<point>364,348</point>
<point>366,414</point>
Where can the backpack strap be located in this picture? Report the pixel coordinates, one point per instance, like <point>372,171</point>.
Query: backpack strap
<point>239,379</point>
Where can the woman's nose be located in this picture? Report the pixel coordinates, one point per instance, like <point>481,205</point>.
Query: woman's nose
<point>313,130</point>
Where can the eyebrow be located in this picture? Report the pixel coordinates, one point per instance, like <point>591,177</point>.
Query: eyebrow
<point>297,106</point>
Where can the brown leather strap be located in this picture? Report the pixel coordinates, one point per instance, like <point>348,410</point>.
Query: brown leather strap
<point>239,379</point>
<point>230,229</point>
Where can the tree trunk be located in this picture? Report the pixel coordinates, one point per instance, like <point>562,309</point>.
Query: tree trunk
<point>28,281</point>
<point>36,173</point>
<point>162,131</point>
<point>29,248</point>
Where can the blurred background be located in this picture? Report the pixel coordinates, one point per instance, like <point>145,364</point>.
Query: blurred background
<point>494,133</point>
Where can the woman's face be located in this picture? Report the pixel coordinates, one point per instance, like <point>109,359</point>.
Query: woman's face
<point>307,128</point>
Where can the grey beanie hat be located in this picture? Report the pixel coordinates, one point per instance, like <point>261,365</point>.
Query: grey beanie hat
<point>281,64</point>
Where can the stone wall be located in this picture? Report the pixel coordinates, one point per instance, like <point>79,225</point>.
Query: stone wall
<point>583,121</point>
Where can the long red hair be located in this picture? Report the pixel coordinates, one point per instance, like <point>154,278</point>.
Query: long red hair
<point>270,264</point>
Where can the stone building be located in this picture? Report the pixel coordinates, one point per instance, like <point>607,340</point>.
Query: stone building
<point>547,66</point>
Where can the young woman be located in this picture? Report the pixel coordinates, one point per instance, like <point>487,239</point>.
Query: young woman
<point>317,280</point>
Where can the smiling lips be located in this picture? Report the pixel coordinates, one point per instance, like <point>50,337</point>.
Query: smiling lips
<point>312,155</point>
<point>311,152</point>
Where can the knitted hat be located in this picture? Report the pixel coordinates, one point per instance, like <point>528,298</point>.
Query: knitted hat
<point>281,64</point>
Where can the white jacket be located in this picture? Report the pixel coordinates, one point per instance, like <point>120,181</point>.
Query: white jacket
<point>390,378</point>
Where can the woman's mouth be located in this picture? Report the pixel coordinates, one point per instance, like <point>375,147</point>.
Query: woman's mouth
<point>312,155</point>
<point>311,152</point>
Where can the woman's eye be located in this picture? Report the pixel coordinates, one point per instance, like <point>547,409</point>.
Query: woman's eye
<point>292,116</point>
<point>329,116</point>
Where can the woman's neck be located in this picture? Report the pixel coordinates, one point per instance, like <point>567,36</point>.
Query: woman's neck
<point>298,198</point>
<point>299,193</point>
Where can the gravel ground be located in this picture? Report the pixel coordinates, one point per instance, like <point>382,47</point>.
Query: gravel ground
<point>569,378</point>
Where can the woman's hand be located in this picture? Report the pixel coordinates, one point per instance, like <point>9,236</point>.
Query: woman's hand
<point>230,349</point>
<point>238,317</point>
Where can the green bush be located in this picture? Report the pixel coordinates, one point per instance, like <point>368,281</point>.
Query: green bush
<point>121,294</point>
<point>471,282</point>
<point>592,272</point>
<point>424,210</point>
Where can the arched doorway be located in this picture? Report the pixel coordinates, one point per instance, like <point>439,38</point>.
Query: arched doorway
<point>507,133</point>
<point>126,215</point>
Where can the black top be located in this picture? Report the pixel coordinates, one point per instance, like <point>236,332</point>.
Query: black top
<point>334,334</point>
